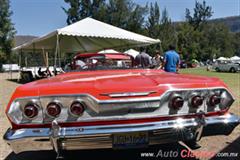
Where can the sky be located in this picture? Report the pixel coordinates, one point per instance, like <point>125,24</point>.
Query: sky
<point>39,17</point>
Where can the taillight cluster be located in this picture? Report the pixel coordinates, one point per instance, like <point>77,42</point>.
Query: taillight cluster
<point>195,101</point>
<point>53,109</point>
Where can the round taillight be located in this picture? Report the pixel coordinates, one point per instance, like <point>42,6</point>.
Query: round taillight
<point>214,100</point>
<point>77,108</point>
<point>53,109</point>
<point>177,102</point>
<point>31,110</point>
<point>196,101</point>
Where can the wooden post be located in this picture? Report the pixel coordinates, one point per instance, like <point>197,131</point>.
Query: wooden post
<point>47,59</point>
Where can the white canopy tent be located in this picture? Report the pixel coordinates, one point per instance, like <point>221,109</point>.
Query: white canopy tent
<point>235,58</point>
<point>222,59</point>
<point>132,52</point>
<point>108,51</point>
<point>87,35</point>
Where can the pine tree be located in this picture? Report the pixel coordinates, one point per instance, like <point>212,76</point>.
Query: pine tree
<point>80,9</point>
<point>201,14</point>
<point>153,20</point>
<point>136,19</point>
<point>73,11</point>
<point>167,31</point>
<point>7,30</point>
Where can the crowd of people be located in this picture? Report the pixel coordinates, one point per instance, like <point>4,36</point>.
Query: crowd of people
<point>169,61</point>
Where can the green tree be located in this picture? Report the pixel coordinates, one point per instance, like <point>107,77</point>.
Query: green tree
<point>7,30</point>
<point>188,41</point>
<point>80,9</point>
<point>201,14</point>
<point>236,43</point>
<point>219,41</point>
<point>73,12</point>
<point>118,12</point>
<point>193,41</point>
<point>137,19</point>
<point>167,31</point>
<point>153,20</point>
<point>121,13</point>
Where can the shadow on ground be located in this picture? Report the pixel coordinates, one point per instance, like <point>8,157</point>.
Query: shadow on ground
<point>231,148</point>
<point>130,154</point>
<point>17,81</point>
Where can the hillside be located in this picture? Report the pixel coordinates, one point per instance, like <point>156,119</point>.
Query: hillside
<point>21,39</point>
<point>232,22</point>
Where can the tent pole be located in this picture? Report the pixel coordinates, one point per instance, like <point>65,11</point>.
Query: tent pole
<point>20,65</point>
<point>59,52</point>
<point>44,58</point>
<point>19,58</point>
<point>55,57</point>
<point>47,59</point>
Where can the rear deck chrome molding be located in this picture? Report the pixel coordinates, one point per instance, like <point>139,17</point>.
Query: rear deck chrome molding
<point>125,99</point>
<point>32,139</point>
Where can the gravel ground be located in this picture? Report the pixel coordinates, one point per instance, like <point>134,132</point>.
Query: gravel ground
<point>218,144</point>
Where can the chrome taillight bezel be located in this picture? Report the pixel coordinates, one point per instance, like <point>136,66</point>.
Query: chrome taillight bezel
<point>35,107</point>
<point>83,105</point>
<point>192,97</point>
<point>16,111</point>
<point>211,101</point>
<point>175,100</point>
<point>56,103</point>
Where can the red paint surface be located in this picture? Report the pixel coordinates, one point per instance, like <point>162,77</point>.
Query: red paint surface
<point>96,83</point>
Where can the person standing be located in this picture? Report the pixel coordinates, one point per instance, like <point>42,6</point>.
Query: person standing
<point>171,60</point>
<point>143,59</point>
<point>156,60</point>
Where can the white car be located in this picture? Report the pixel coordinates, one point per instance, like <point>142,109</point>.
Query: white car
<point>227,67</point>
<point>28,74</point>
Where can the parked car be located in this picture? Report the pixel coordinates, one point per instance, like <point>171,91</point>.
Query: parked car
<point>189,64</point>
<point>28,74</point>
<point>115,106</point>
<point>10,67</point>
<point>227,66</point>
<point>92,61</point>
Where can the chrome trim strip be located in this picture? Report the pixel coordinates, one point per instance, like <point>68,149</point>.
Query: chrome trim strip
<point>38,138</point>
<point>127,94</point>
<point>129,100</point>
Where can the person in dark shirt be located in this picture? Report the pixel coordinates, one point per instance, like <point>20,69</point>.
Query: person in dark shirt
<point>171,60</point>
<point>143,59</point>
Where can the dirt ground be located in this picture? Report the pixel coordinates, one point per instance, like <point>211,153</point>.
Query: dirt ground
<point>221,145</point>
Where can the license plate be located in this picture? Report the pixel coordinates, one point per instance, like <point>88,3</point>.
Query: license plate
<point>130,140</point>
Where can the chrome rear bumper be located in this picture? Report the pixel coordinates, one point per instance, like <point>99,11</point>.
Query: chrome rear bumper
<point>92,137</point>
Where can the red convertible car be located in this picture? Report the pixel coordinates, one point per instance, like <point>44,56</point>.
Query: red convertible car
<point>116,106</point>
